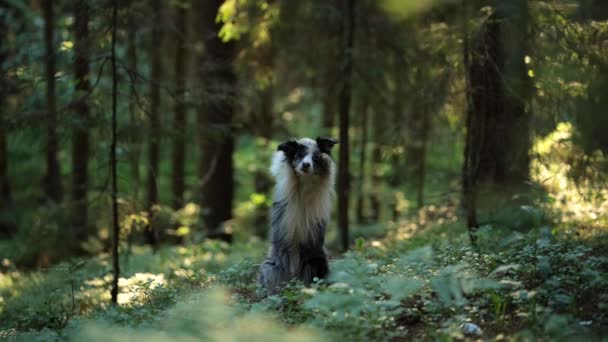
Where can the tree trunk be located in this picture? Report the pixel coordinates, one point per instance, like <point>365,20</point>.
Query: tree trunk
<point>52,181</point>
<point>421,167</point>
<point>517,89</point>
<point>419,127</point>
<point>362,160</point>
<point>179,120</point>
<point>397,169</point>
<point>264,118</point>
<point>332,74</point>
<point>262,181</point>
<point>376,158</point>
<point>328,111</point>
<point>344,104</point>
<point>5,189</point>
<point>154,117</point>
<point>134,119</point>
<point>469,197</point>
<point>115,225</point>
<point>498,141</point>
<point>498,99</point>
<point>215,122</point>
<point>80,142</point>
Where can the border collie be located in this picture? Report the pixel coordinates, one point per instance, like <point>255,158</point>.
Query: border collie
<point>305,177</point>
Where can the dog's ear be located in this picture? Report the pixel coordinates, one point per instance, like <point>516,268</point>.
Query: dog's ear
<point>325,144</point>
<point>289,147</point>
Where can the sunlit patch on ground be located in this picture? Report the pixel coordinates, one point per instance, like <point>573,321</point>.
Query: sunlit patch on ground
<point>429,215</point>
<point>584,202</point>
<point>130,288</point>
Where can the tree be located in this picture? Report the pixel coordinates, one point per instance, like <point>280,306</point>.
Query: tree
<point>344,106</point>
<point>5,189</point>
<point>263,116</point>
<point>264,129</point>
<point>135,121</point>
<point>179,119</point>
<point>262,183</point>
<point>154,116</point>
<point>114,176</point>
<point>398,103</point>
<point>497,141</point>
<point>329,97</point>
<point>417,148</point>
<point>52,180</point>
<point>216,142</point>
<point>80,140</point>
<point>378,138</point>
<point>364,111</point>
<point>431,93</point>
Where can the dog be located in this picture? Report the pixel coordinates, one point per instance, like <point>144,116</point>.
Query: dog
<point>305,177</point>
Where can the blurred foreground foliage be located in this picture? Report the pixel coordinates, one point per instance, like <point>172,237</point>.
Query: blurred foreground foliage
<point>423,280</point>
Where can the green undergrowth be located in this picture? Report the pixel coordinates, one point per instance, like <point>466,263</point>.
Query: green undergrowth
<point>418,282</point>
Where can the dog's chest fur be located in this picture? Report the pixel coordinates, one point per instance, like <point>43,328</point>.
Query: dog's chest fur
<point>300,212</point>
<point>304,212</point>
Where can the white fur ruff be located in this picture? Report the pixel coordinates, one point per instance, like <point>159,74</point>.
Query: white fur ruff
<point>308,198</point>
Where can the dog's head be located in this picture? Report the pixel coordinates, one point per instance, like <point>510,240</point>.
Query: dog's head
<point>309,157</point>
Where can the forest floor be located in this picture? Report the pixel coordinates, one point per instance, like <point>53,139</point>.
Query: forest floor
<point>420,280</point>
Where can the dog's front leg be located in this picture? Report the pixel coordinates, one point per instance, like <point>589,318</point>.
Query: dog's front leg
<point>314,268</point>
<point>273,276</point>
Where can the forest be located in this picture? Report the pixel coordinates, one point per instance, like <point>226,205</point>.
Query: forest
<point>471,194</point>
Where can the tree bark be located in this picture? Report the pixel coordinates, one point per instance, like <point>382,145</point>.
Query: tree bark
<point>421,167</point>
<point>154,117</point>
<point>264,117</point>
<point>5,189</point>
<point>179,120</point>
<point>397,169</point>
<point>498,98</point>
<point>134,119</point>
<point>328,112</point>
<point>497,141</point>
<point>80,142</point>
<point>262,181</point>
<point>52,181</point>
<point>115,224</point>
<point>378,138</point>
<point>419,127</point>
<point>216,143</point>
<point>469,197</point>
<point>344,105</point>
<point>362,161</point>
<point>331,73</point>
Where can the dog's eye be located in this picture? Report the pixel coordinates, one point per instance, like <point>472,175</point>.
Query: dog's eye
<point>316,158</point>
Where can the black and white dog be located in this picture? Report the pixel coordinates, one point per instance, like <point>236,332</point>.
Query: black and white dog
<point>305,176</point>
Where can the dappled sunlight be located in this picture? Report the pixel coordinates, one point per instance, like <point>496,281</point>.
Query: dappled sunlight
<point>402,204</point>
<point>130,288</point>
<point>585,201</point>
<point>405,230</point>
<point>431,215</point>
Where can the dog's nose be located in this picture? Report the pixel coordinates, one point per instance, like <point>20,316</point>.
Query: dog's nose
<point>305,166</point>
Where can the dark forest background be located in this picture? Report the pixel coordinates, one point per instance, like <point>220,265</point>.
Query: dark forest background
<point>135,142</point>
